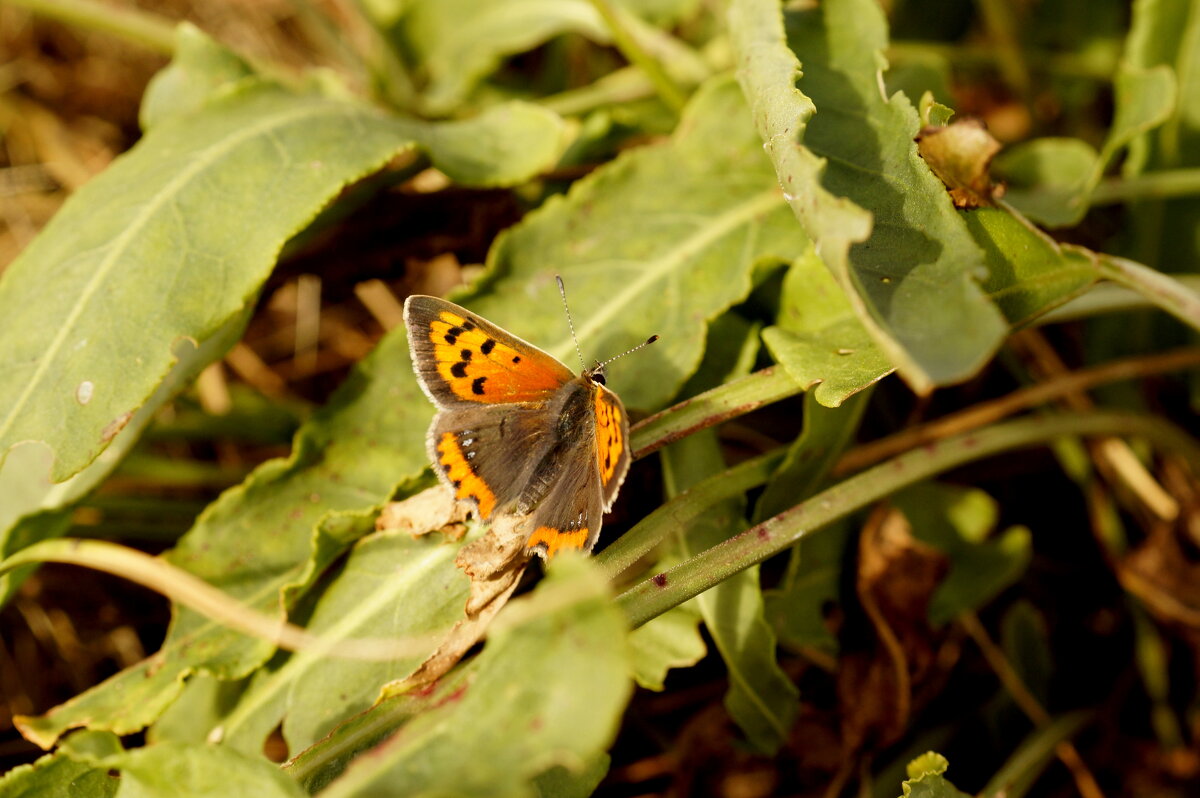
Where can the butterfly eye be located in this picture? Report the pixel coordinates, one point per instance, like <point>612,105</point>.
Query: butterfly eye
<point>598,378</point>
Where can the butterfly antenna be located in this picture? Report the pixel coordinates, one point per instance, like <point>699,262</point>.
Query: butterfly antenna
<point>562,291</point>
<point>642,345</point>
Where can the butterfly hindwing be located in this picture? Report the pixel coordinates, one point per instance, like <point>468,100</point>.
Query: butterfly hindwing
<point>486,453</point>
<point>462,359</point>
<point>569,515</point>
<point>612,443</point>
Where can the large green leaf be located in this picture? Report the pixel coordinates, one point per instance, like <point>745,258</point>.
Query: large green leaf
<point>187,770</point>
<point>199,68</point>
<point>271,535</point>
<point>176,237</point>
<point>661,240</point>
<point>818,337</point>
<point>761,698</point>
<point>879,218</point>
<point>392,586</point>
<point>1029,273</point>
<point>548,690</point>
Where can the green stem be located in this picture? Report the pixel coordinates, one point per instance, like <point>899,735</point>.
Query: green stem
<point>654,596</point>
<point>680,510</point>
<point>134,25</point>
<point>1162,290</point>
<point>1108,298</point>
<point>1152,186</point>
<point>189,590</point>
<point>1094,67</point>
<point>722,403</point>
<point>637,55</point>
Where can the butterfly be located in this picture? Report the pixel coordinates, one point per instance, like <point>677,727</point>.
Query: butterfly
<point>516,431</point>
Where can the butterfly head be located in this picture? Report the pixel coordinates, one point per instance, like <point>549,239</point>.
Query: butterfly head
<point>595,374</point>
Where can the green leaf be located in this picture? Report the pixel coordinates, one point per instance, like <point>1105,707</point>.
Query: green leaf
<point>1163,35</point>
<point>761,699</point>
<point>1048,179</point>
<point>881,221</point>
<point>455,44</point>
<point>317,766</point>
<point>1029,272</point>
<point>1051,180</point>
<point>796,608</point>
<point>63,774</point>
<point>549,690</point>
<point>191,220</point>
<point>958,522</point>
<point>672,640</point>
<point>184,770</point>
<point>32,508</point>
<point>313,692</point>
<point>272,535</point>
<point>825,435</point>
<point>199,69</point>
<point>819,338</point>
<point>926,778</point>
<point>200,707</point>
<point>661,240</point>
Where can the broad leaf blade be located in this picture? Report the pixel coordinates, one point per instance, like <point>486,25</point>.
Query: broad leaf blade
<point>549,689</point>
<point>879,218</point>
<point>391,587</point>
<point>819,338</point>
<point>177,236</point>
<point>660,241</point>
<point>260,539</point>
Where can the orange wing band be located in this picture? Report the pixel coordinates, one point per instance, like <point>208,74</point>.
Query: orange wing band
<point>479,368</point>
<point>555,539</point>
<point>467,484</point>
<point>610,443</point>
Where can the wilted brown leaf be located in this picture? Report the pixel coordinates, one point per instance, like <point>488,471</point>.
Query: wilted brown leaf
<point>960,154</point>
<point>897,575</point>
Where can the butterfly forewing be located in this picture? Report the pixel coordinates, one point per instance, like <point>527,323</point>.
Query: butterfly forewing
<point>461,358</point>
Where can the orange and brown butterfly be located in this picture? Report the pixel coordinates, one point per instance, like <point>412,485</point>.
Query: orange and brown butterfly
<point>516,431</point>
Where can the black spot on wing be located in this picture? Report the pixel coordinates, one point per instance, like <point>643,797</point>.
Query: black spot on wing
<point>488,346</point>
<point>459,370</point>
<point>477,385</point>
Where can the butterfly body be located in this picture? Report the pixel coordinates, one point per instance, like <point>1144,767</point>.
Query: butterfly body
<point>517,432</point>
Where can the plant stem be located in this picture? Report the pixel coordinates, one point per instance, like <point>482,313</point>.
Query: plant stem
<point>132,24</point>
<point>992,411</point>
<point>1154,185</point>
<point>654,596</point>
<point>189,590</point>
<point>1162,290</point>
<point>710,408</point>
<point>637,55</point>
<point>1108,298</point>
<point>691,503</point>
